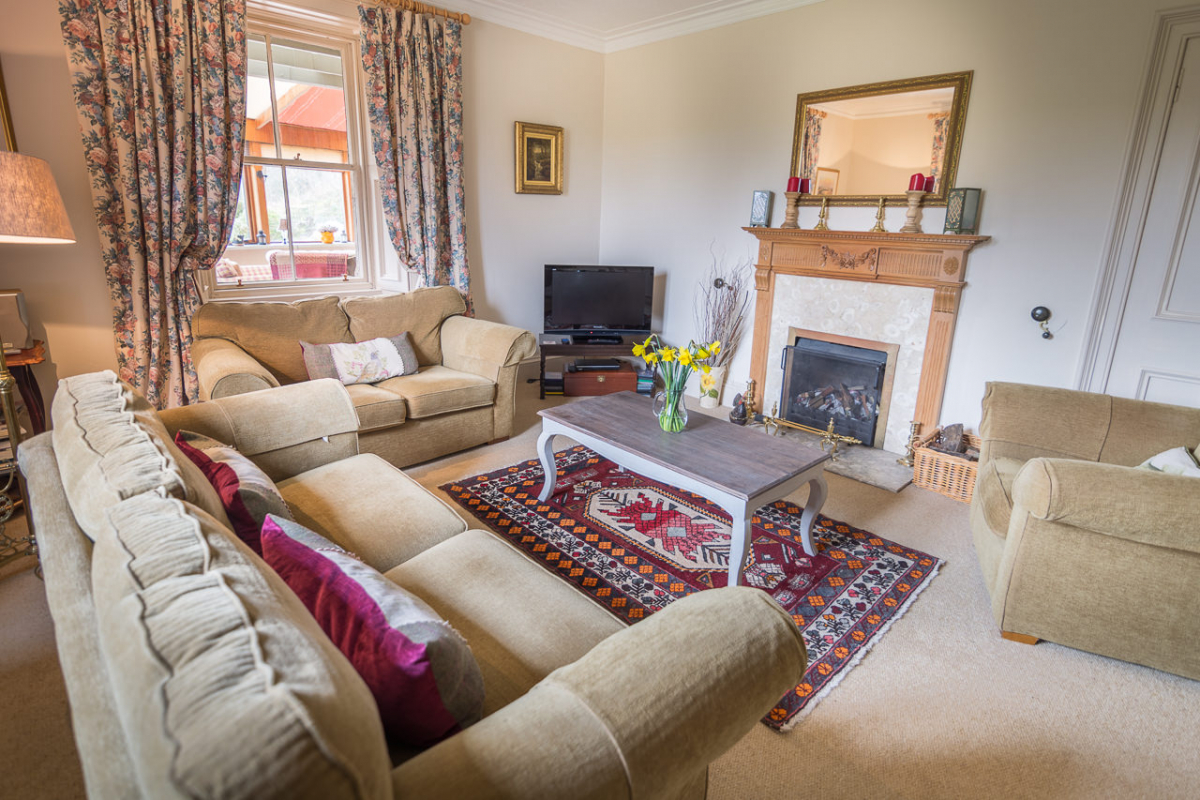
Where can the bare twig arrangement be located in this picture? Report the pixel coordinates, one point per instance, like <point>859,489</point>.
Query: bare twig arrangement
<point>721,302</point>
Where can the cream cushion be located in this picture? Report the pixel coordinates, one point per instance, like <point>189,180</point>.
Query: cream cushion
<point>225,685</point>
<point>376,408</point>
<point>441,390</point>
<point>370,508</point>
<point>111,445</point>
<point>420,312</point>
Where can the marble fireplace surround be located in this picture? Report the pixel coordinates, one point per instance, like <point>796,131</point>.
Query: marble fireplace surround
<point>899,288</point>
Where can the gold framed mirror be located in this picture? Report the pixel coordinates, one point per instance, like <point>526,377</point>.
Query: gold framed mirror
<point>864,142</point>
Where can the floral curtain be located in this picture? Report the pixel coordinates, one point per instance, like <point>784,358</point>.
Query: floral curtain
<point>414,100</point>
<point>160,87</point>
<point>939,144</point>
<point>812,142</point>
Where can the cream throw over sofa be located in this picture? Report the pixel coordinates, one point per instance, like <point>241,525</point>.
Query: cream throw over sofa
<point>1077,547</point>
<point>463,395</point>
<point>193,671</point>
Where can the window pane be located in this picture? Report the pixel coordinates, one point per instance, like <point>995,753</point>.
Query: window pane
<point>310,100</point>
<point>321,203</point>
<point>260,136</point>
<point>261,213</point>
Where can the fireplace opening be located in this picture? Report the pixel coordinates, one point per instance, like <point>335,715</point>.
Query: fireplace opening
<point>848,383</point>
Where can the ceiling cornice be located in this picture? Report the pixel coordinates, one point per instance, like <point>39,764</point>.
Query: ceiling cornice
<point>703,17</point>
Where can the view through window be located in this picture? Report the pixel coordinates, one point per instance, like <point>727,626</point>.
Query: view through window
<point>296,208</point>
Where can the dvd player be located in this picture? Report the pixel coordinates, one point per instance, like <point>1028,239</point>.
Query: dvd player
<point>596,364</point>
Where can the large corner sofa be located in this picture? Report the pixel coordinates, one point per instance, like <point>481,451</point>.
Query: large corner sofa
<point>463,395</point>
<point>1076,545</point>
<point>193,671</point>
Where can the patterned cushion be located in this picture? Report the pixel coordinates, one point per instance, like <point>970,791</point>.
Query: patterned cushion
<point>361,362</point>
<point>1178,461</point>
<point>246,492</point>
<point>420,670</point>
<point>111,446</point>
<point>224,684</point>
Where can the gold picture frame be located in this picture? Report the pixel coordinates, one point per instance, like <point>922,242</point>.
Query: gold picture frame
<point>539,158</point>
<point>10,137</point>
<point>827,181</point>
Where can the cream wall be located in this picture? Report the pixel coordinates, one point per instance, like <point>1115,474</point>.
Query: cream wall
<point>507,76</point>
<point>887,151</point>
<point>693,125</point>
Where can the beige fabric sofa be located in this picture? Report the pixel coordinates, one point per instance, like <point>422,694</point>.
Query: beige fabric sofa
<point>1077,547</point>
<point>192,671</point>
<point>464,394</point>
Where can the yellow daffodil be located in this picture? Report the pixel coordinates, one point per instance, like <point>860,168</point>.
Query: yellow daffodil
<point>706,381</point>
<point>715,347</point>
<point>651,358</point>
<point>702,353</point>
<point>639,349</point>
<point>706,368</point>
<point>685,357</point>
<point>668,355</point>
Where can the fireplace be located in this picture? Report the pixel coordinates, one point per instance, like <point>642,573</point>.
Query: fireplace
<point>842,378</point>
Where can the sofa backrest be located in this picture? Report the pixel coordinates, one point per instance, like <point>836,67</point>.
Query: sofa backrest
<point>272,332</point>
<point>420,312</point>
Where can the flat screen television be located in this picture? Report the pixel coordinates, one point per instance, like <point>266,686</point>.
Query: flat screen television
<point>585,299</point>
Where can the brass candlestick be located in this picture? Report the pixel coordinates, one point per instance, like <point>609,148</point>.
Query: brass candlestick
<point>909,450</point>
<point>879,219</point>
<point>793,210</point>
<point>829,440</point>
<point>821,225</point>
<point>913,220</point>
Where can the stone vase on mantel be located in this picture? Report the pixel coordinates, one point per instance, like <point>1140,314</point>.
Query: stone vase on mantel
<point>711,386</point>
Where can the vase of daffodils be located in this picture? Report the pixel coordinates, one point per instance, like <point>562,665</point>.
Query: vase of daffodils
<point>677,365</point>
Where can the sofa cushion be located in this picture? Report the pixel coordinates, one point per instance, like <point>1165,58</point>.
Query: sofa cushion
<point>246,493</point>
<point>377,408</point>
<point>498,599</point>
<point>225,684</point>
<point>993,486</point>
<point>419,669</point>
<point>111,445</point>
<point>372,509</point>
<point>440,390</point>
<point>420,312</point>
<point>271,332</point>
<point>361,362</point>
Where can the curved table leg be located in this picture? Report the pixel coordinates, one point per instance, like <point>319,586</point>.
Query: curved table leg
<point>740,536</point>
<point>545,449</point>
<point>817,492</point>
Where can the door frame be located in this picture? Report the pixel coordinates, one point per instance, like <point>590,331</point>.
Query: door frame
<point>1172,31</point>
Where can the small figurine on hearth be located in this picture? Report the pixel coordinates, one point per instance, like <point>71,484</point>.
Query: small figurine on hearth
<point>738,415</point>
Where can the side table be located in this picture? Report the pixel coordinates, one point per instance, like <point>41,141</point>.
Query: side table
<point>20,364</point>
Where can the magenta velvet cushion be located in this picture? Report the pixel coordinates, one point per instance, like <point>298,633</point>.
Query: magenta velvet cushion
<point>246,492</point>
<point>420,670</point>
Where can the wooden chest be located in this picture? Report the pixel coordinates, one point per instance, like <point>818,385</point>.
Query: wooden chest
<point>593,382</point>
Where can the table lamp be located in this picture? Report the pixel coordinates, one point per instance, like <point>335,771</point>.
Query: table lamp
<point>31,212</point>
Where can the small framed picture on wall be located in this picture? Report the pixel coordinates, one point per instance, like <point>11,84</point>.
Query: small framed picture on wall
<point>827,180</point>
<point>539,158</point>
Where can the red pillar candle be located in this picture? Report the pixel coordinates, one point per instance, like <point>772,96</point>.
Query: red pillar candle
<point>929,184</point>
<point>916,183</point>
<point>806,186</point>
<point>793,184</point>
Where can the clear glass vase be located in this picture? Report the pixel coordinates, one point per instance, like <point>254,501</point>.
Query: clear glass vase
<point>671,410</point>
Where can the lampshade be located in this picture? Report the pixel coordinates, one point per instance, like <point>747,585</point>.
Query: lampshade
<point>31,209</point>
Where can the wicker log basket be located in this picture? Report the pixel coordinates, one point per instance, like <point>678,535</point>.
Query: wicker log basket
<point>944,474</point>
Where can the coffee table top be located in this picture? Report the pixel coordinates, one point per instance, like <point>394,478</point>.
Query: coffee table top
<point>744,462</point>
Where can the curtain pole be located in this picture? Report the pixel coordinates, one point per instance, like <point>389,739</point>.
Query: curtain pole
<point>425,8</point>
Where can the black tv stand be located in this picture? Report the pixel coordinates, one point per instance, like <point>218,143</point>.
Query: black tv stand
<point>596,338</point>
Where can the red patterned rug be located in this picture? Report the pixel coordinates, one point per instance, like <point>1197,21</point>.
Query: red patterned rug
<point>634,545</point>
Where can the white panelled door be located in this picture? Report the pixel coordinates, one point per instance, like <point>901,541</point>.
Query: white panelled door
<point>1157,349</point>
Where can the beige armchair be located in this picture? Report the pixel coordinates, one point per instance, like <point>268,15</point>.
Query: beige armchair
<point>1076,546</point>
<point>463,395</point>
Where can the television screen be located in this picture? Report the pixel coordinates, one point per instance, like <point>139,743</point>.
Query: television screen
<point>616,299</point>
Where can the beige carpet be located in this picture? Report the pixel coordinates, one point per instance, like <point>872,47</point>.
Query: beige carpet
<point>940,708</point>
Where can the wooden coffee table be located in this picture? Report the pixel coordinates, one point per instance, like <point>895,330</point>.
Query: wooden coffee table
<point>739,469</point>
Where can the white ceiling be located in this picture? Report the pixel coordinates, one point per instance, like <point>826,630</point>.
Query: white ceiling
<point>610,25</point>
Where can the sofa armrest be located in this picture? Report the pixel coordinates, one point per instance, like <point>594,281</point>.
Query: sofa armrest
<point>641,715</point>
<point>1128,503</point>
<point>224,369</point>
<point>483,348</point>
<point>286,430</point>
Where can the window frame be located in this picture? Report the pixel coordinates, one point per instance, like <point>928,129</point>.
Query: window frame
<point>342,35</point>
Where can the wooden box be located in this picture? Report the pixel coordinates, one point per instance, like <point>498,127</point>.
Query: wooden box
<point>586,383</point>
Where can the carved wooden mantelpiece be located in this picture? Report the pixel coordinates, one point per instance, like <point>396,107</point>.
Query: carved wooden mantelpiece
<point>935,261</point>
